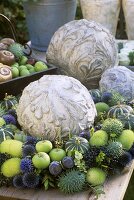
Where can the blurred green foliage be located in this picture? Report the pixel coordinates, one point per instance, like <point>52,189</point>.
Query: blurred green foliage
<point>13,9</point>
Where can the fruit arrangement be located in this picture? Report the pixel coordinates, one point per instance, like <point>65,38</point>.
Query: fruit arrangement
<point>75,163</point>
<point>15,63</point>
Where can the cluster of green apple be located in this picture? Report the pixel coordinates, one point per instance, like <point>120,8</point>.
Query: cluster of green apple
<point>27,66</point>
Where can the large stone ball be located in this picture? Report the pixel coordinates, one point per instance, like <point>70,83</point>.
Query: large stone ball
<point>84,50</point>
<point>53,104</point>
<point>119,79</point>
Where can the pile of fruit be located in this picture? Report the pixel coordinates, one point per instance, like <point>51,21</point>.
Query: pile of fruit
<point>76,163</point>
<point>14,62</point>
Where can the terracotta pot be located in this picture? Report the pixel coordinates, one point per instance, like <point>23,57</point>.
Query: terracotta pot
<point>105,12</point>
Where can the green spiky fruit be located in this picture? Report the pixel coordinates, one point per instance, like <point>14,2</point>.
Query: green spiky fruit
<point>72,181</point>
<point>99,138</point>
<point>116,98</point>
<point>11,167</point>
<point>12,147</point>
<point>77,143</point>
<point>117,110</point>
<point>102,107</point>
<point>126,139</point>
<point>17,49</point>
<point>2,122</point>
<point>113,127</point>
<point>95,176</point>
<point>114,150</point>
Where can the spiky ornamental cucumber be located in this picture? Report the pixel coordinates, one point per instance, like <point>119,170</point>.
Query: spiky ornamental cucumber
<point>117,110</point>
<point>9,102</point>
<point>99,138</point>
<point>126,139</point>
<point>77,143</point>
<point>114,150</point>
<point>113,127</point>
<point>116,99</point>
<point>5,133</point>
<point>72,181</point>
<point>17,49</point>
<point>96,95</point>
<point>96,176</point>
<point>127,121</point>
<point>12,163</point>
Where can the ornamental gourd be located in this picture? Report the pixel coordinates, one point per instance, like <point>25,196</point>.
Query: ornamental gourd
<point>77,144</point>
<point>117,110</point>
<point>53,103</point>
<point>5,133</point>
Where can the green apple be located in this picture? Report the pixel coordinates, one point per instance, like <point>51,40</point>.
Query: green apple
<point>44,146</point>
<point>39,66</point>
<point>15,72</point>
<point>23,60</point>
<point>15,65</point>
<point>22,67</point>
<point>57,154</point>
<point>32,70</point>
<point>24,72</point>
<point>29,66</point>
<point>41,160</point>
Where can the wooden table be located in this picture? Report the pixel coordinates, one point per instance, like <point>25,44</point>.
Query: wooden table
<point>114,188</point>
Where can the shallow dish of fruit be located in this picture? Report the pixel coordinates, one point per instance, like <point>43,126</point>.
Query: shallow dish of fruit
<point>73,164</point>
<point>17,68</point>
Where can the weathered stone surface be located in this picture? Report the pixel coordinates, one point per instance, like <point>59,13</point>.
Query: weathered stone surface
<point>55,102</point>
<point>119,79</point>
<point>84,50</point>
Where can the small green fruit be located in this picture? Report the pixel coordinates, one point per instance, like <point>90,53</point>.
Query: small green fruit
<point>24,72</point>
<point>21,67</point>
<point>29,66</point>
<point>23,60</point>
<point>99,138</point>
<point>2,122</point>
<point>101,107</point>
<point>39,66</point>
<point>31,71</point>
<point>127,139</point>
<point>57,154</point>
<point>41,160</point>
<point>44,146</point>
<point>11,167</point>
<point>15,65</point>
<point>95,176</point>
<point>15,72</point>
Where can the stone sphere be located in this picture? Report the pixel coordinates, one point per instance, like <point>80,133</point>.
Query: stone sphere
<point>54,104</point>
<point>119,79</point>
<point>84,50</point>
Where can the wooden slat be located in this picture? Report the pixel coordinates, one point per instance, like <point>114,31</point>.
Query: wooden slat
<point>114,188</point>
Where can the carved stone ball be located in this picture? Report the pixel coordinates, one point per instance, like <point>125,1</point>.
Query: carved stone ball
<point>119,79</point>
<point>53,104</point>
<point>84,50</point>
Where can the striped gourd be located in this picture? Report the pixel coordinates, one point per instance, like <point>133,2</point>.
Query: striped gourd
<point>127,120</point>
<point>9,102</point>
<point>117,110</point>
<point>96,95</point>
<point>5,133</point>
<point>77,143</point>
